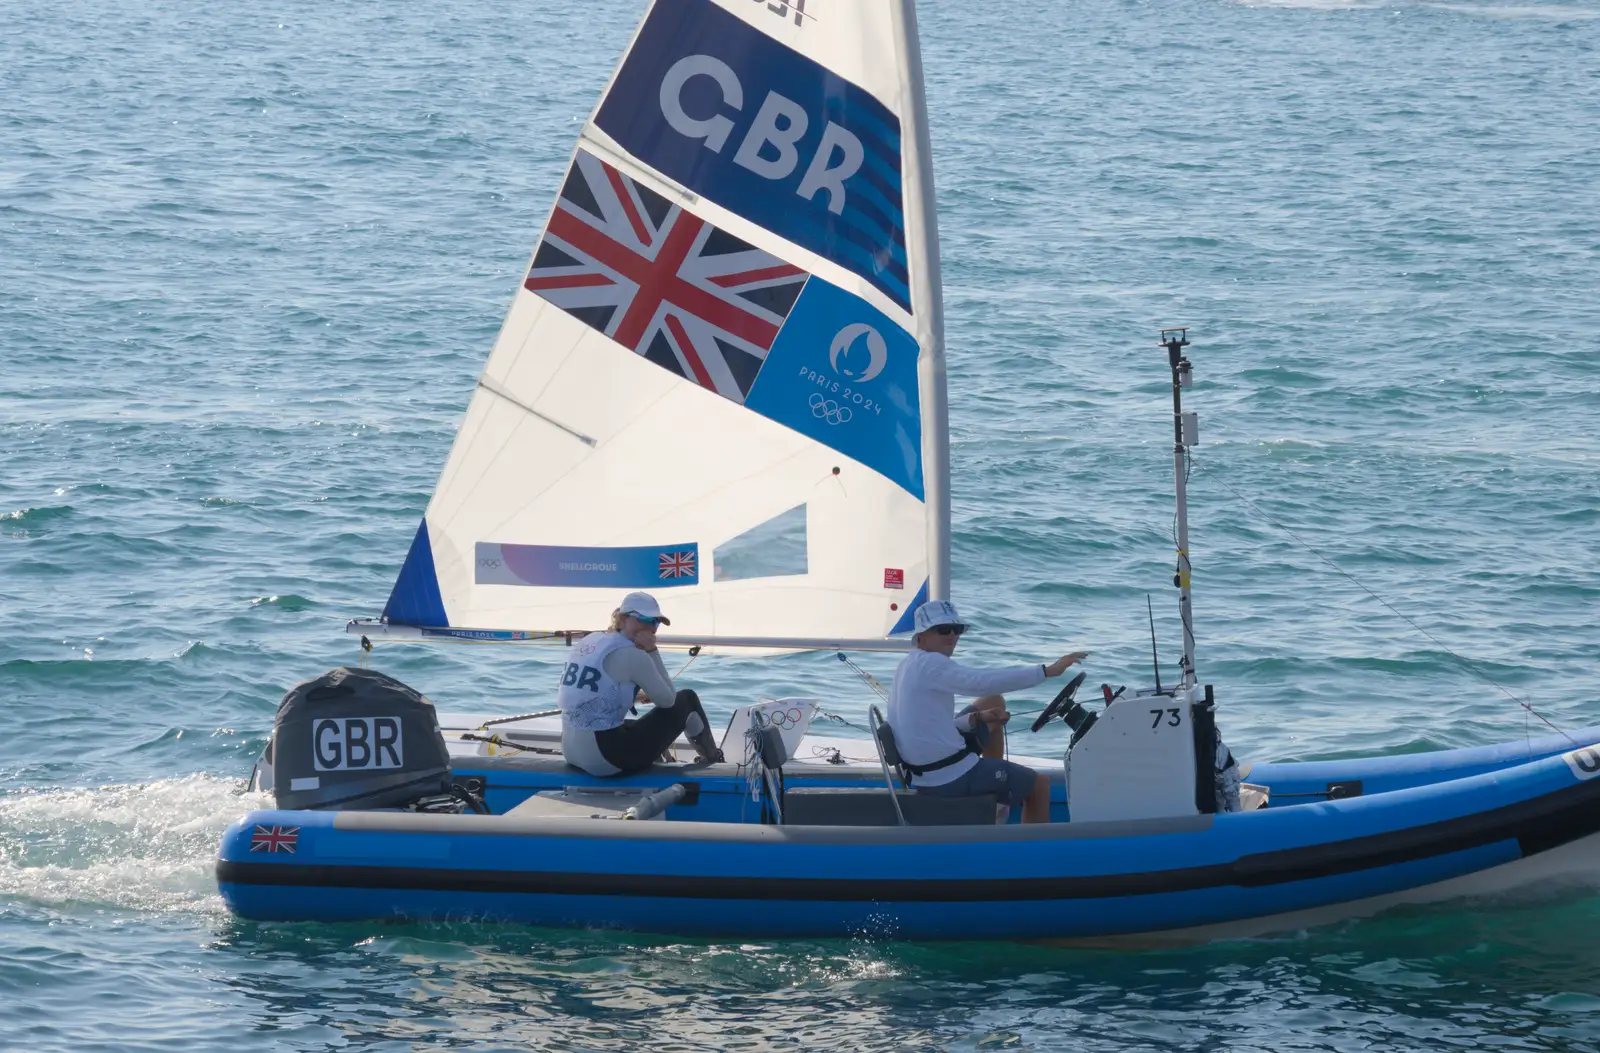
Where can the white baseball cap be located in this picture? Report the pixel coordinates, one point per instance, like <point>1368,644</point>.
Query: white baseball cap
<point>937,612</point>
<point>643,604</point>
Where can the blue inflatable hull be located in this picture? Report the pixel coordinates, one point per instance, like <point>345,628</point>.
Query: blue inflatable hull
<point>1420,820</point>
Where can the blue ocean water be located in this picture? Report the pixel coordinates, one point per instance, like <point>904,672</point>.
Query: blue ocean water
<point>251,260</point>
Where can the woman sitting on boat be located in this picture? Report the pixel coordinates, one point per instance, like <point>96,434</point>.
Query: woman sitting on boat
<point>960,755</point>
<point>599,684</point>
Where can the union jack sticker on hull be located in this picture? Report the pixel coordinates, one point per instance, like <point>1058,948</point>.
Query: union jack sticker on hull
<point>274,839</point>
<point>660,281</point>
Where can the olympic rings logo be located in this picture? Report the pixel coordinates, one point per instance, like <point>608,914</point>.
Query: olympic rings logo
<point>780,719</point>
<point>829,410</point>
<point>488,562</point>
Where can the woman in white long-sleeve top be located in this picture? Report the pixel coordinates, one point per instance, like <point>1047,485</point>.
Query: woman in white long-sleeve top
<point>958,755</point>
<point>603,675</point>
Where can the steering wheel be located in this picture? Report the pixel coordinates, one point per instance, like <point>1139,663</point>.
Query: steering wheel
<point>1058,705</point>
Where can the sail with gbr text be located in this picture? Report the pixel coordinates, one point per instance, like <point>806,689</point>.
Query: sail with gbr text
<point>722,378</point>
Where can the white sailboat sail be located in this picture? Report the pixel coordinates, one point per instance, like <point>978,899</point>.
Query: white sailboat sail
<point>722,379</point>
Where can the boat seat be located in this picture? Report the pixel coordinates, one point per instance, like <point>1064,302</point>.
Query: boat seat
<point>890,752</point>
<point>843,806</point>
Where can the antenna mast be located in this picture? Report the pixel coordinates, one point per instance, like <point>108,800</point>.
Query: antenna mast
<point>1185,433</point>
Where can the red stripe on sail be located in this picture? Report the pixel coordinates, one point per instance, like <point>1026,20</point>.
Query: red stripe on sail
<point>570,281</point>
<point>687,347</point>
<point>627,205</point>
<point>727,281</point>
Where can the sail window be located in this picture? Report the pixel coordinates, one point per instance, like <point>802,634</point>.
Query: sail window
<point>775,548</point>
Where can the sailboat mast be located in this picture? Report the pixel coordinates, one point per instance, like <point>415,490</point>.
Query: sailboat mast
<point>1185,433</point>
<point>927,300</point>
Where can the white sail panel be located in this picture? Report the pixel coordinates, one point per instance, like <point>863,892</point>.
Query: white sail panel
<point>675,468</point>
<point>714,341</point>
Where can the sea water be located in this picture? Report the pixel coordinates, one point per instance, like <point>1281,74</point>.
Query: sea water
<point>253,257</point>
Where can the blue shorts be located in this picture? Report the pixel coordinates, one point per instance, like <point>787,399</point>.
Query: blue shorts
<point>1010,782</point>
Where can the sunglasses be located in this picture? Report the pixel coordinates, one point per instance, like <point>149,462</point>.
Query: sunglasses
<point>646,620</point>
<point>949,630</point>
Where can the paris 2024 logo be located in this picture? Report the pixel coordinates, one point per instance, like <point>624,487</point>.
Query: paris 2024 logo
<point>857,355</point>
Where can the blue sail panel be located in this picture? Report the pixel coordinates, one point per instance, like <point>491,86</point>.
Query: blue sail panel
<point>712,102</point>
<point>844,374</point>
<point>416,599</point>
<point>908,620</point>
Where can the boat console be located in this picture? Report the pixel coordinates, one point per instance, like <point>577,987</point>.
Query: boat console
<point>1138,761</point>
<point>1149,756</point>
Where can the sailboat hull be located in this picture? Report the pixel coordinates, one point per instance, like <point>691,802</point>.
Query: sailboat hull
<point>1202,875</point>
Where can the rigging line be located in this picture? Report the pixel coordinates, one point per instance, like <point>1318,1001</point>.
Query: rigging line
<point>837,719</point>
<point>866,677</point>
<point>1470,667</point>
<point>520,716</point>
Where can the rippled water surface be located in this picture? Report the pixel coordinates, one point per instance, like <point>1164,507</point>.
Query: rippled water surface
<point>252,258</point>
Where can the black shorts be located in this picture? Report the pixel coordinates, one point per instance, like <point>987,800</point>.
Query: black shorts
<point>1009,781</point>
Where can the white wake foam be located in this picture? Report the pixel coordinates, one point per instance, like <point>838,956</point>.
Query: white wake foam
<point>148,846</point>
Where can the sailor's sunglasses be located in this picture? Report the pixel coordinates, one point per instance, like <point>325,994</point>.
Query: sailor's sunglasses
<point>646,620</point>
<point>949,630</point>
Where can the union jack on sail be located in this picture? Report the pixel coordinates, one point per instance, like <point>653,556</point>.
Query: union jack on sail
<point>661,281</point>
<point>678,564</point>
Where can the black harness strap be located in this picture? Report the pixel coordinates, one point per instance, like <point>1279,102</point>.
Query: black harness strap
<point>970,749</point>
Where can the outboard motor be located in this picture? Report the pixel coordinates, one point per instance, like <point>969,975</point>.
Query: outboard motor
<point>356,738</point>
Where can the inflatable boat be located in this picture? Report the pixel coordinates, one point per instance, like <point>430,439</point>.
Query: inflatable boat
<point>807,835</point>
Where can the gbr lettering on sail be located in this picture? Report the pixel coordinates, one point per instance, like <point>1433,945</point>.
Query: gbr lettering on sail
<point>735,116</point>
<point>770,146</point>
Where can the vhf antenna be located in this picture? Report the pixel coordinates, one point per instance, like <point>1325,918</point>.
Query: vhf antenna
<point>1155,659</point>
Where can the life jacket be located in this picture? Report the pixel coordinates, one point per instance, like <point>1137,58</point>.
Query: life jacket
<point>590,699</point>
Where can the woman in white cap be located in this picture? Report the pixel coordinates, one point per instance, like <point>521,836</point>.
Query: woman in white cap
<point>933,739</point>
<point>599,683</point>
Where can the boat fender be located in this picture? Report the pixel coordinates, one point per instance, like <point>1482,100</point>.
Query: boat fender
<point>770,747</point>
<point>1203,723</point>
<point>1216,773</point>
